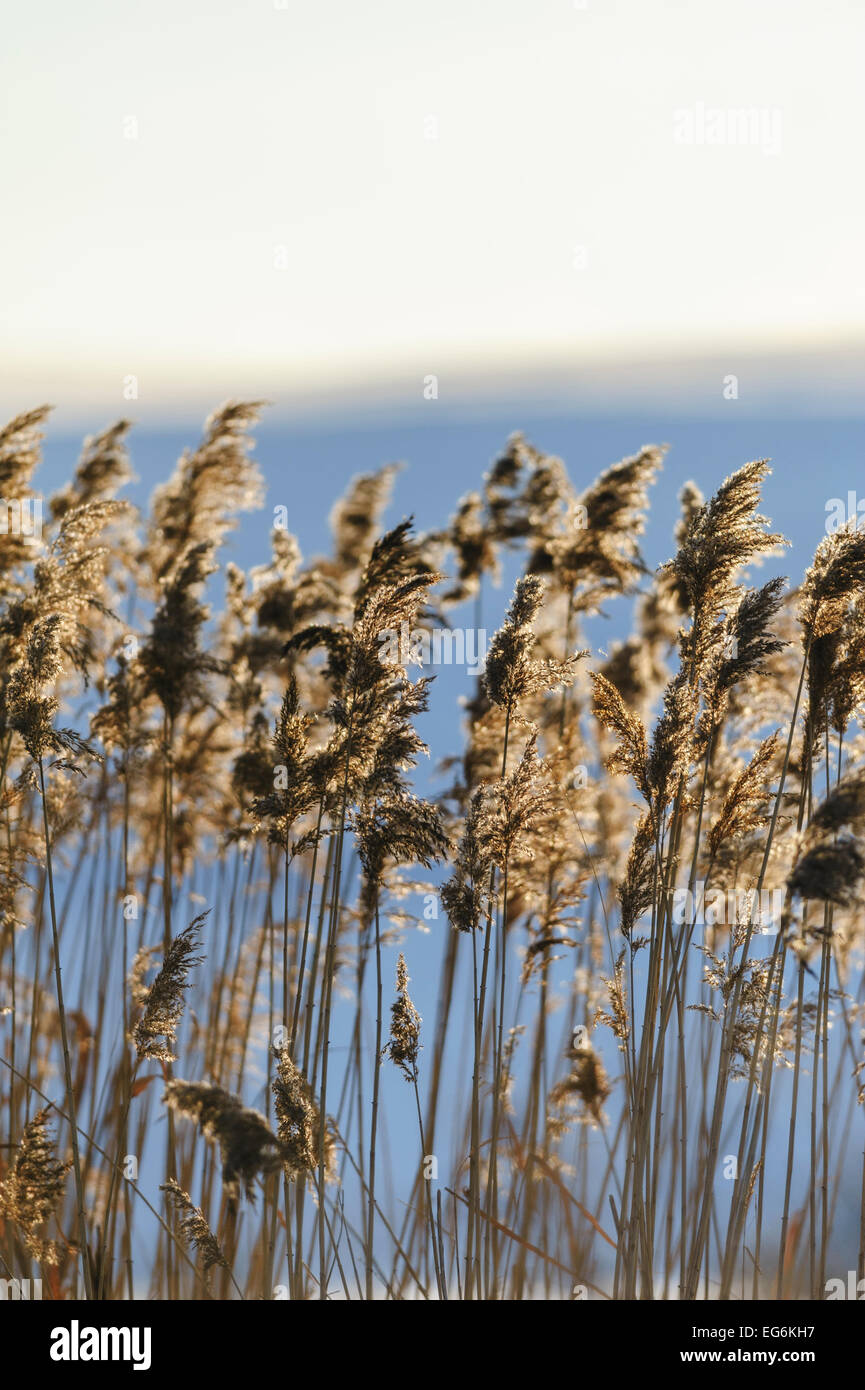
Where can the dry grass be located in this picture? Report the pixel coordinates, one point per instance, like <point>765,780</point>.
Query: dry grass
<point>629,1086</point>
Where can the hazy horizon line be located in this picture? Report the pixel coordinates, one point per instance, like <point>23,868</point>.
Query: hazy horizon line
<point>802,381</point>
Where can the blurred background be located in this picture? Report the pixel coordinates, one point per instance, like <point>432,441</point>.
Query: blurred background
<point>414,231</point>
<point>586,204</point>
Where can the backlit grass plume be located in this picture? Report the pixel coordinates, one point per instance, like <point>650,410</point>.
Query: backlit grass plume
<point>155,1032</point>
<point>403,1046</point>
<point>20,451</point>
<point>210,483</point>
<point>32,1191</point>
<point>722,536</point>
<point>598,551</point>
<point>247,1146</point>
<point>298,1120</point>
<point>103,468</point>
<point>193,1227</point>
<point>172,661</point>
<point>513,670</point>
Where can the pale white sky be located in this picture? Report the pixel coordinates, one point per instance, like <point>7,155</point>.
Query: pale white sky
<point>299,131</point>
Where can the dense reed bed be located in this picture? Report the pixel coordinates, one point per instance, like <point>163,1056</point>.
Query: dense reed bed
<point>641,879</point>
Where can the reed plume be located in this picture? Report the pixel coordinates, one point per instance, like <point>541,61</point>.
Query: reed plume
<point>32,1191</point>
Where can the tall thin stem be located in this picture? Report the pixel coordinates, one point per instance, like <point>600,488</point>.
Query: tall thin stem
<point>84,1250</point>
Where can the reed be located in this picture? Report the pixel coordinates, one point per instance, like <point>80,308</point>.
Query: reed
<point>641,876</point>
